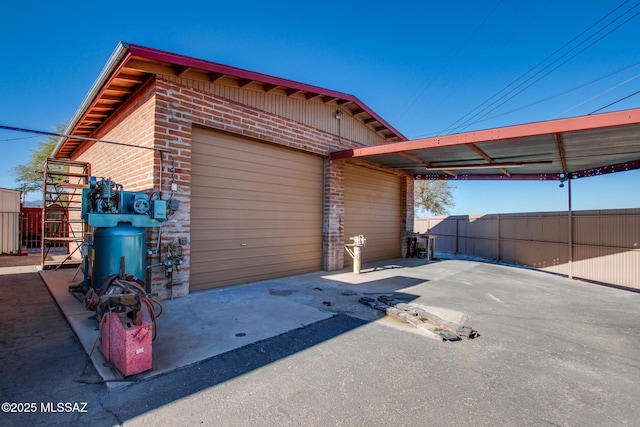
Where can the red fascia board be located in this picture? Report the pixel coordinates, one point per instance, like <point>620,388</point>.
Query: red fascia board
<point>94,100</point>
<point>602,170</point>
<point>214,67</point>
<point>597,121</point>
<point>489,177</point>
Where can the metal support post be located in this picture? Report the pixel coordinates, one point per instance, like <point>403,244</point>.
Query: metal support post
<point>359,242</point>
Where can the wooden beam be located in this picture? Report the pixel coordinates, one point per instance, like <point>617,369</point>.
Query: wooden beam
<point>269,87</point>
<point>180,70</point>
<point>121,89</point>
<point>485,156</point>
<point>424,162</point>
<point>561,151</point>
<point>414,158</point>
<point>244,82</point>
<point>489,177</point>
<point>130,78</point>
<point>214,77</point>
<point>108,99</point>
<point>150,67</point>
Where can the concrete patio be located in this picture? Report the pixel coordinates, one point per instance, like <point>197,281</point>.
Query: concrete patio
<point>301,350</point>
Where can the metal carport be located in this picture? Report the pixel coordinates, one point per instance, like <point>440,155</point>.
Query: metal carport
<point>561,150</point>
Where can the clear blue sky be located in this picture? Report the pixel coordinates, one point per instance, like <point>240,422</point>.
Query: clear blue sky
<point>423,66</point>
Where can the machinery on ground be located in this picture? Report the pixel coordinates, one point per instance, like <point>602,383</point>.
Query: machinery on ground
<point>115,270</point>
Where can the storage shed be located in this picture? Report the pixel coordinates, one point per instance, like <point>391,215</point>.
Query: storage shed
<point>9,221</point>
<point>247,157</point>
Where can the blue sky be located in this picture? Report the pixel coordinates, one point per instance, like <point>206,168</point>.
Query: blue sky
<point>423,66</point>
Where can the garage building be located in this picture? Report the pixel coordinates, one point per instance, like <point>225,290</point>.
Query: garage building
<point>247,157</point>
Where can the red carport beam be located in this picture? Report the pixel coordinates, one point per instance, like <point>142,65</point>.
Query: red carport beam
<point>596,121</point>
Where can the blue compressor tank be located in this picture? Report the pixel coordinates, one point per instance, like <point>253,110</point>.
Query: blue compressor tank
<point>112,243</point>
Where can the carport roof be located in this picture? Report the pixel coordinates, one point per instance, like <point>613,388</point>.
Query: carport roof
<point>131,66</point>
<point>553,150</point>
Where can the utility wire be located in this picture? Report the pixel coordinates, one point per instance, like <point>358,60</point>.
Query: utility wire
<point>615,102</point>
<point>82,138</point>
<point>514,82</point>
<point>16,139</point>
<point>540,101</point>
<point>465,123</point>
<point>446,65</point>
<point>493,107</point>
<point>598,95</point>
<point>444,97</point>
<point>554,69</point>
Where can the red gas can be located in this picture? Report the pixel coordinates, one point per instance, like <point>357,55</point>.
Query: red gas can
<point>126,345</point>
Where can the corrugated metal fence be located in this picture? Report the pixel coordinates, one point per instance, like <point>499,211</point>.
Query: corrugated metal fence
<point>602,246</point>
<point>9,221</point>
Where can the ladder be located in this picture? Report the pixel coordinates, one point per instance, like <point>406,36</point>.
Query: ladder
<point>63,228</point>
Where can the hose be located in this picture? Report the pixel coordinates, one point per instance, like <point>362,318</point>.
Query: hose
<point>133,287</point>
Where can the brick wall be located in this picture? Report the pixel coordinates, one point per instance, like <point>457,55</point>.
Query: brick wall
<point>409,213</point>
<point>162,116</point>
<point>134,125</point>
<point>333,225</point>
<point>136,169</point>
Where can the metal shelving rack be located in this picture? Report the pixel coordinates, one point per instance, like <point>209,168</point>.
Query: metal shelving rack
<point>62,226</point>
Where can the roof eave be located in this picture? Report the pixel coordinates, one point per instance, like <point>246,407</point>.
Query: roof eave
<point>116,57</point>
<point>214,67</point>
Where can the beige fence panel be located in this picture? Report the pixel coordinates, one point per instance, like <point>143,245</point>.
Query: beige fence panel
<point>9,221</point>
<point>605,245</point>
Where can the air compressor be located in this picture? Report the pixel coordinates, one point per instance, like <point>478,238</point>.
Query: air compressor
<point>115,270</point>
<point>119,219</point>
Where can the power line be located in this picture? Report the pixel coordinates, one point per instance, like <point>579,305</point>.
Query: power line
<point>505,43</point>
<point>446,65</point>
<point>492,105</point>
<point>540,101</point>
<point>615,102</point>
<point>16,139</point>
<point>560,65</point>
<point>617,85</point>
<point>82,138</point>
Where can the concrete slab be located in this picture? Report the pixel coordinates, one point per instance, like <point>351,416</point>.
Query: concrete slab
<point>209,323</point>
<point>552,351</point>
<point>191,328</point>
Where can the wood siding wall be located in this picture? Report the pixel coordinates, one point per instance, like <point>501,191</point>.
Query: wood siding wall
<point>317,114</point>
<point>605,244</point>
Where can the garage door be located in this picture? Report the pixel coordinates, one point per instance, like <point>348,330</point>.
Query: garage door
<point>256,211</point>
<point>373,208</point>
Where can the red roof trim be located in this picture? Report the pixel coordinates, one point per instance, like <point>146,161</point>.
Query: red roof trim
<point>596,121</point>
<point>213,67</point>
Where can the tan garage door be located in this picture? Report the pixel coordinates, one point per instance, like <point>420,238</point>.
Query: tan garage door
<point>256,211</point>
<point>373,208</point>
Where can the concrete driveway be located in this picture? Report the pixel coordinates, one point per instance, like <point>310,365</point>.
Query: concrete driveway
<point>552,351</point>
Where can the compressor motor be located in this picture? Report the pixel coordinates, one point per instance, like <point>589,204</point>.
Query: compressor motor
<point>119,219</point>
